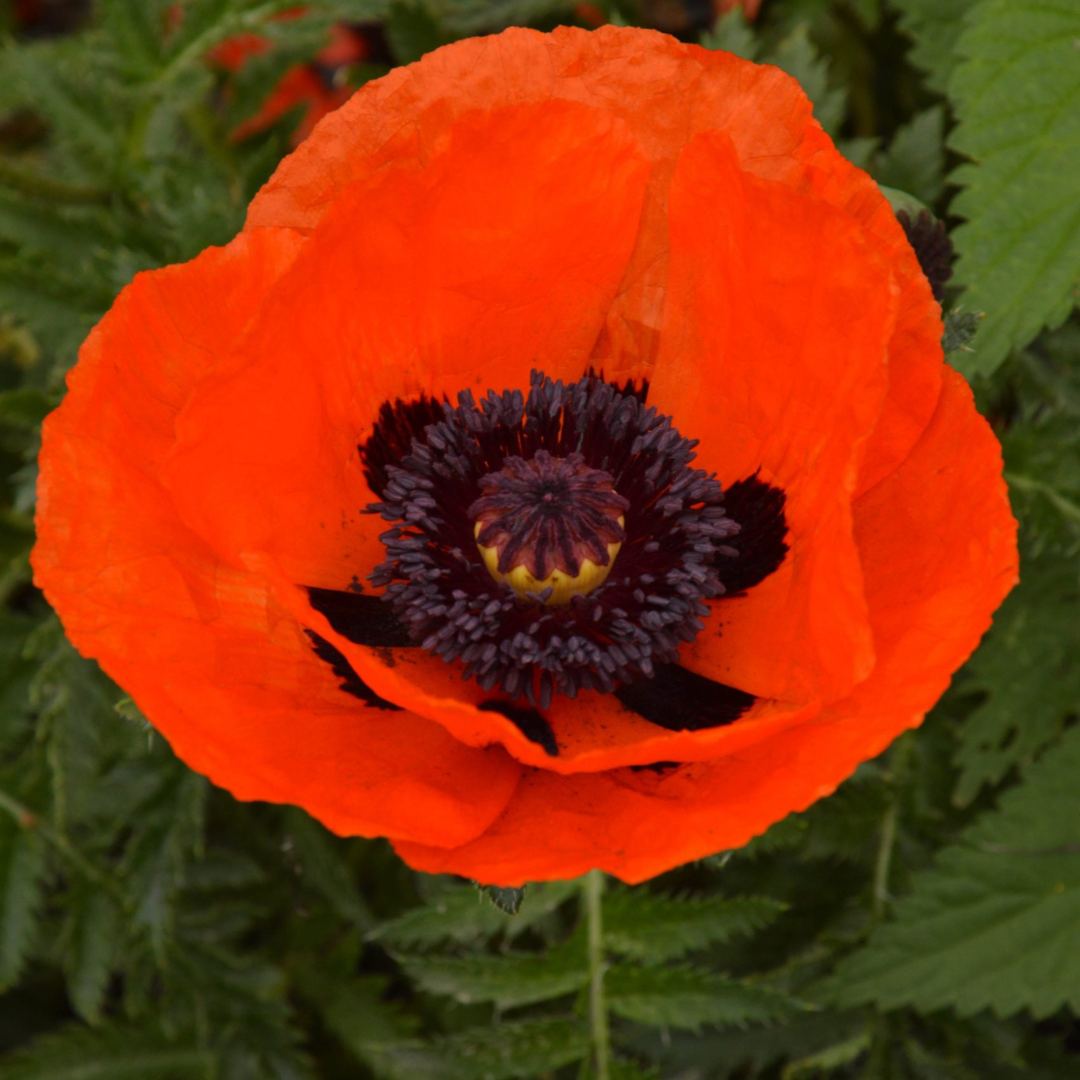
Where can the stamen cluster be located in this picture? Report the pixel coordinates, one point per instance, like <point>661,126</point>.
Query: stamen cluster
<point>654,598</point>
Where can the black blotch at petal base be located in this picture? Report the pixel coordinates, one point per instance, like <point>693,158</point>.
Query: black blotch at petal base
<point>528,721</point>
<point>758,507</point>
<point>681,700</point>
<point>398,423</point>
<point>364,620</point>
<point>351,683</point>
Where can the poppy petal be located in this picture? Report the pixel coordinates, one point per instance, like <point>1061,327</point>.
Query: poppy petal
<point>229,678</point>
<point>777,355</point>
<point>932,585</point>
<point>916,367</point>
<point>538,202</point>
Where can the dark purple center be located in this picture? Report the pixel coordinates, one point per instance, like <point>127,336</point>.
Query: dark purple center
<point>548,513</point>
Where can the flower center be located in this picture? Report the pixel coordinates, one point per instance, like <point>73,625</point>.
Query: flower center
<point>550,527</point>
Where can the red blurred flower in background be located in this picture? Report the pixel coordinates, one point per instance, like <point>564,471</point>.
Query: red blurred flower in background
<point>316,85</point>
<point>390,508</point>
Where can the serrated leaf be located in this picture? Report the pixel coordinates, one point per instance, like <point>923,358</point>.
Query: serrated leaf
<point>508,980</point>
<point>463,915</point>
<point>508,901</point>
<point>114,1053</point>
<point>170,833</point>
<point>319,860</point>
<point>653,929</point>
<point>996,925</point>
<point>22,868</point>
<point>915,160</point>
<point>135,30</point>
<point>506,1051</point>
<point>797,56</point>
<point>357,1012</point>
<point>1018,104</point>
<point>72,84</point>
<point>933,26</point>
<point>685,997</point>
<point>94,938</point>
<point>755,1050</point>
<point>1027,669</point>
<point>960,327</point>
<point>829,1059</point>
<point>733,33</point>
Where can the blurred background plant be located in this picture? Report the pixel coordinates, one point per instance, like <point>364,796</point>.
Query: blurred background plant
<point>922,923</point>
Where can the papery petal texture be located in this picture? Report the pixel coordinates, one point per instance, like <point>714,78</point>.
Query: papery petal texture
<point>672,220</point>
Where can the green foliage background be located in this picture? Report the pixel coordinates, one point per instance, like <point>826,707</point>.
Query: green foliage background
<point>923,923</point>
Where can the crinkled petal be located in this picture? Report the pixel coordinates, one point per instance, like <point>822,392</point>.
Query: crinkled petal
<point>225,673</point>
<point>774,356</point>
<point>939,545</point>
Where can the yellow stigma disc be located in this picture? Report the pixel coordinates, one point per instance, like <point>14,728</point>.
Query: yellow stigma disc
<point>563,586</point>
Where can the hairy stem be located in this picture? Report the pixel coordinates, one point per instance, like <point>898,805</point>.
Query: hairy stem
<point>598,1018</point>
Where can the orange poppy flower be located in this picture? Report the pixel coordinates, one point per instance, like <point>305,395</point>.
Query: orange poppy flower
<point>390,509</point>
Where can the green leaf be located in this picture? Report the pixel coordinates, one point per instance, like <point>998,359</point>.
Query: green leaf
<point>506,1051</point>
<point>996,925</point>
<point>685,997</point>
<point>71,82</point>
<point>25,407</point>
<point>95,935</point>
<point>136,31</point>
<point>1018,105</point>
<point>797,56</point>
<point>828,1060</point>
<point>933,26</point>
<point>320,860</point>
<point>465,17</point>
<point>915,160</point>
<point>733,33</point>
<point>462,914</point>
<point>1028,673</point>
<point>113,1053</point>
<point>22,869</point>
<point>169,834</point>
<point>960,327</point>
<point>359,1014</point>
<point>508,980</point>
<point>412,31</point>
<point>653,928</point>
<point>508,901</point>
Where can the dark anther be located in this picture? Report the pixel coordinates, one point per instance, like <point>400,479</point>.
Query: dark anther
<point>661,768</point>
<point>639,390</point>
<point>761,543</point>
<point>528,721</point>
<point>364,620</point>
<point>548,514</point>
<point>351,683</point>
<point>681,700</point>
<point>933,248</point>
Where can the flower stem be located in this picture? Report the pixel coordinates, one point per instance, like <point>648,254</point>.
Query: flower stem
<point>598,1018</point>
<point>884,862</point>
<point>900,757</point>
